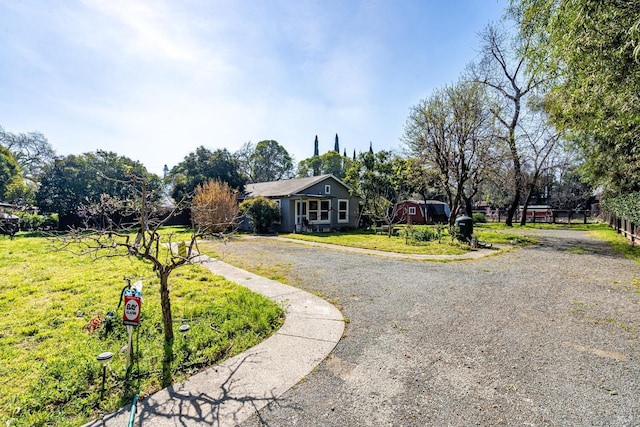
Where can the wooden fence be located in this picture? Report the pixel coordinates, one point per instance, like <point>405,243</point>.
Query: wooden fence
<point>551,216</point>
<point>625,227</point>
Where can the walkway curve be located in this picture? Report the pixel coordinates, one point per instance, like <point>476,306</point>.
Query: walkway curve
<point>228,393</point>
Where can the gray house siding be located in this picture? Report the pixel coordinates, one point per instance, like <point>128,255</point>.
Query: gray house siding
<point>310,204</point>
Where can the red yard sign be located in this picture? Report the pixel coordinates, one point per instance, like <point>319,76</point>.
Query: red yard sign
<point>132,308</point>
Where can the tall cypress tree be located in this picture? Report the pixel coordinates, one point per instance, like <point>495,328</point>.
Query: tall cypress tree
<point>336,147</point>
<point>315,149</point>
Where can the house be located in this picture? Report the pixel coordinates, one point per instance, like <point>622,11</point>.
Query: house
<point>422,212</point>
<point>317,203</point>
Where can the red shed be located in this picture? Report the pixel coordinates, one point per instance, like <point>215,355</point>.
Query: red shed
<point>422,212</point>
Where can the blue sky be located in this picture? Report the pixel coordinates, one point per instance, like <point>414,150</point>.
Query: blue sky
<point>153,80</point>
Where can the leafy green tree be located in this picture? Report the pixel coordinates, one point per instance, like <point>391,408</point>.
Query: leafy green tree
<point>202,165</point>
<point>375,179</point>
<point>71,182</point>
<point>266,161</point>
<point>32,152</point>
<point>422,180</point>
<point>10,176</point>
<point>593,47</point>
<point>330,162</point>
<point>261,211</point>
<point>310,167</point>
<point>570,192</point>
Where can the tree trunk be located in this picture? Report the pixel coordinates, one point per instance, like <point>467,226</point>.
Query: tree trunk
<point>512,209</point>
<point>517,175</point>
<point>530,187</point>
<point>468,207</point>
<point>165,303</point>
<point>525,206</point>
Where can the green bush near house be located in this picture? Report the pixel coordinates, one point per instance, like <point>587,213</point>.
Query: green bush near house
<point>262,213</point>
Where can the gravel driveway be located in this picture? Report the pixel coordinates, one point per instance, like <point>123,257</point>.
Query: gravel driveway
<point>544,335</point>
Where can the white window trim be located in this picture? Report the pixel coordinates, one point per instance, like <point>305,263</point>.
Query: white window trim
<point>412,210</point>
<point>327,189</point>
<point>346,220</point>
<point>319,213</point>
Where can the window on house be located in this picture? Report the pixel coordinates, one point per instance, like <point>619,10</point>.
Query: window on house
<point>327,189</point>
<point>343,210</point>
<point>412,210</point>
<point>319,210</point>
<point>313,210</point>
<point>325,206</point>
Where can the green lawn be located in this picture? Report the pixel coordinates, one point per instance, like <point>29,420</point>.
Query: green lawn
<point>401,244</point>
<point>618,242</point>
<point>48,299</point>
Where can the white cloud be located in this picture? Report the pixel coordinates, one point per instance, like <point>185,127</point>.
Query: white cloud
<point>153,80</point>
<point>153,29</point>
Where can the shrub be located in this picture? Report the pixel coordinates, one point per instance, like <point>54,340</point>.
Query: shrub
<point>479,217</point>
<point>34,222</point>
<point>423,234</point>
<point>626,206</point>
<point>419,234</point>
<point>262,212</point>
<point>214,208</point>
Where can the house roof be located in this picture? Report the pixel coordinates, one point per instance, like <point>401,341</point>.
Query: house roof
<point>285,187</point>
<point>426,202</point>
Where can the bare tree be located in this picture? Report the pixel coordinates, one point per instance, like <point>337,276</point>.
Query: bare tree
<point>541,141</point>
<point>503,68</point>
<point>142,238</point>
<point>453,132</point>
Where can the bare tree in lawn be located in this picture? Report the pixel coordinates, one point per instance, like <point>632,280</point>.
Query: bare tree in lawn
<point>452,132</point>
<point>142,238</point>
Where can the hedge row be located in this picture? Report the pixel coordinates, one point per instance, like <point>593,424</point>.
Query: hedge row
<point>626,206</point>
<point>33,222</point>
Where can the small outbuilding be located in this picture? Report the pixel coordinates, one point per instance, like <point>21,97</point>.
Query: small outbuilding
<point>422,212</point>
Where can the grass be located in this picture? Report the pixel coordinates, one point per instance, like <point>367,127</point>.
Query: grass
<point>381,242</point>
<point>50,302</point>
<point>599,230</point>
<point>399,244</point>
<point>617,241</point>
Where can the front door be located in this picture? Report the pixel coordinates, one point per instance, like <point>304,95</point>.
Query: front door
<point>301,213</point>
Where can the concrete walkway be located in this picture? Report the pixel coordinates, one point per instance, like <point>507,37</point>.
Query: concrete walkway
<point>227,394</point>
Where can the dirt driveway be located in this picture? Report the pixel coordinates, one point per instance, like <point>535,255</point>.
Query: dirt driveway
<point>545,335</point>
